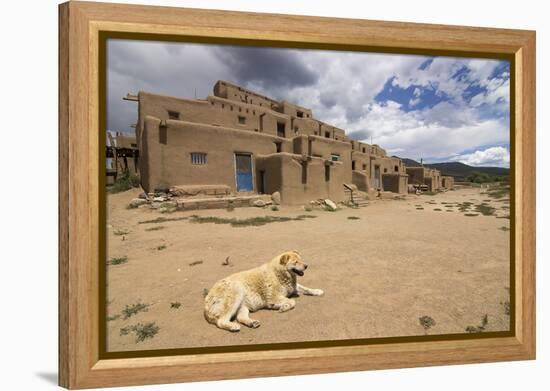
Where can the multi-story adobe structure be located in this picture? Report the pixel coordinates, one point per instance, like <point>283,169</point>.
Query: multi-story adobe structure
<point>447,182</point>
<point>253,144</point>
<point>425,176</point>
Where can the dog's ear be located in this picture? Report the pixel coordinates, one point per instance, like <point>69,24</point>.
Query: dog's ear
<point>284,259</point>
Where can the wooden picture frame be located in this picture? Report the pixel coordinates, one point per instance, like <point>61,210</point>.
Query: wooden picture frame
<point>80,27</point>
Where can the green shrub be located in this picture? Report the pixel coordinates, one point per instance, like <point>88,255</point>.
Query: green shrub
<point>124,182</point>
<point>118,260</point>
<point>133,309</point>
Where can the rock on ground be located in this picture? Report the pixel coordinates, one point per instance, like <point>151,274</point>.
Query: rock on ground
<point>330,204</point>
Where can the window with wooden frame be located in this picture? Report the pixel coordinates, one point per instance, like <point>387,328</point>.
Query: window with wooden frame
<point>198,158</point>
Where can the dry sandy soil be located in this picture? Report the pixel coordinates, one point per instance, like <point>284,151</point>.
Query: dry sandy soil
<point>396,261</point>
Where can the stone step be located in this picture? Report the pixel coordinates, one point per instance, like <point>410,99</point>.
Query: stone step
<point>220,202</point>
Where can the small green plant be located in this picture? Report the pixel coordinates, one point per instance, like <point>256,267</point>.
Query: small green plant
<point>120,232</point>
<point>230,207</point>
<point>142,331</point>
<point>485,209</point>
<point>504,228</point>
<point>464,206</point>
<point>353,218</point>
<point>124,182</point>
<point>157,228</point>
<point>118,260</point>
<point>426,322</point>
<point>499,192</point>
<point>175,305</point>
<point>275,208</point>
<point>506,305</point>
<point>481,327</point>
<point>161,247</point>
<point>131,310</point>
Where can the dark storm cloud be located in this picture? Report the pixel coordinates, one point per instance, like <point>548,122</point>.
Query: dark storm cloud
<point>268,67</point>
<point>359,135</point>
<point>183,70</point>
<point>328,100</point>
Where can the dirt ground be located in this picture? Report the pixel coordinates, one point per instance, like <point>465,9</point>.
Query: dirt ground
<point>392,263</point>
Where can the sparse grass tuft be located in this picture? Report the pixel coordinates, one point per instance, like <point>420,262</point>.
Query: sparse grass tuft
<point>485,209</point>
<point>353,218</point>
<point>503,228</point>
<point>134,309</point>
<point>157,228</point>
<point>419,208</point>
<point>471,214</point>
<point>113,317</point>
<point>142,331</point>
<point>162,220</point>
<point>248,222</point>
<point>175,305</point>
<point>230,207</point>
<point>120,232</point>
<point>427,322</point>
<point>195,263</point>
<point>437,210</point>
<point>204,292</point>
<point>499,192</point>
<point>275,208</point>
<point>506,305</point>
<point>161,247</point>
<point>481,327</point>
<point>124,182</point>
<point>132,206</point>
<point>464,206</point>
<point>429,193</point>
<point>118,260</point>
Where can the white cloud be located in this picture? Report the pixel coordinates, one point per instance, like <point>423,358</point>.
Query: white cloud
<point>494,156</point>
<point>428,134</point>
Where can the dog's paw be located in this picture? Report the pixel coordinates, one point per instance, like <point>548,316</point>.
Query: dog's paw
<point>255,324</point>
<point>287,306</point>
<point>234,328</point>
<point>317,292</point>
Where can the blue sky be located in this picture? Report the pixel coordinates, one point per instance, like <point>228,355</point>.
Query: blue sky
<point>434,108</point>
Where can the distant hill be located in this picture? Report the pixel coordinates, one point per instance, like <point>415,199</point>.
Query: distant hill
<point>459,170</point>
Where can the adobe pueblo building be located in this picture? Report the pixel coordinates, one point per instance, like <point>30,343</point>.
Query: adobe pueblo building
<point>238,142</point>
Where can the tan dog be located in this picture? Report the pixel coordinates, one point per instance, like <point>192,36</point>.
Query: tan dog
<point>267,286</point>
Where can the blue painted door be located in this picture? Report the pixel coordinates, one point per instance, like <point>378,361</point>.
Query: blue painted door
<point>243,172</point>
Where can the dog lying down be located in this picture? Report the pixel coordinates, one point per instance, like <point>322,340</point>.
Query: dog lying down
<point>267,286</point>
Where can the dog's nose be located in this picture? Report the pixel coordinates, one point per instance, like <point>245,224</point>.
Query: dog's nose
<point>305,266</point>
